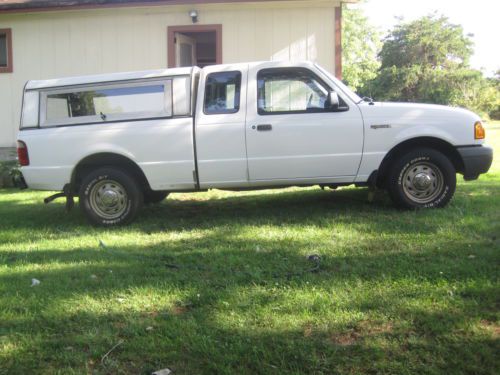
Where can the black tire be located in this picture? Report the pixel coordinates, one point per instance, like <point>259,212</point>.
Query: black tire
<point>110,197</point>
<point>152,197</point>
<point>422,178</point>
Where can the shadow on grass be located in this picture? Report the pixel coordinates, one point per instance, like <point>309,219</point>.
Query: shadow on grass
<point>221,254</point>
<point>191,337</point>
<point>284,208</point>
<point>206,279</point>
<point>190,343</point>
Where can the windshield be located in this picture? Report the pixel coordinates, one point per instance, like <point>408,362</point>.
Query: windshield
<point>346,90</point>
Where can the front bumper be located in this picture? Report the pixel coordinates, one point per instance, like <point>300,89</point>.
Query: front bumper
<point>476,159</point>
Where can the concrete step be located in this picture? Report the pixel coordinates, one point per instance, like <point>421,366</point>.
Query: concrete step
<point>8,153</point>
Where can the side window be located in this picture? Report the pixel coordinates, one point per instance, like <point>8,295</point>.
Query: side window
<point>222,93</point>
<point>105,102</point>
<point>29,115</point>
<point>182,96</point>
<point>290,91</point>
<point>108,103</point>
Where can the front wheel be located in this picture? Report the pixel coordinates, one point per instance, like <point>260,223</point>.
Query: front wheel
<point>422,178</point>
<point>110,197</point>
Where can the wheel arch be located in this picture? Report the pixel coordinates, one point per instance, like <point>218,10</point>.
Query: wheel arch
<point>107,159</point>
<point>428,142</point>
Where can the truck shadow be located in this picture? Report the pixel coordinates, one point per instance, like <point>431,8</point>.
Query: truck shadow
<point>301,208</point>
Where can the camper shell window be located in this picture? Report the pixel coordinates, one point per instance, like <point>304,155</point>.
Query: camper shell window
<point>125,101</point>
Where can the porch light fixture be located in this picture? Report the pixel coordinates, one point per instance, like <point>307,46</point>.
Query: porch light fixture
<point>194,15</point>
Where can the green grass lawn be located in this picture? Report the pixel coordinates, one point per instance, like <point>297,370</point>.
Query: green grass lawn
<point>221,283</point>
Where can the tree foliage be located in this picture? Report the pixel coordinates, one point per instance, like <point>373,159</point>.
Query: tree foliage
<point>427,60</point>
<point>360,46</point>
<point>430,42</point>
<point>495,88</point>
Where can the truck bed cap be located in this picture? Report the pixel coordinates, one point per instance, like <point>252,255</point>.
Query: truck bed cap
<point>111,77</point>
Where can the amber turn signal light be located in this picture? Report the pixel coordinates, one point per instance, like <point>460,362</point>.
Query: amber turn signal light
<point>479,132</point>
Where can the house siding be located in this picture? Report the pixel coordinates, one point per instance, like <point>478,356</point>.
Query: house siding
<point>65,43</point>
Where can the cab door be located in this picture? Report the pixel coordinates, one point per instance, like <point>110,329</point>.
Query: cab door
<point>291,135</point>
<point>220,126</point>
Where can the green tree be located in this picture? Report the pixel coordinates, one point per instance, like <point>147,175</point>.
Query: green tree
<point>494,82</point>
<point>427,60</point>
<point>430,42</point>
<point>360,47</point>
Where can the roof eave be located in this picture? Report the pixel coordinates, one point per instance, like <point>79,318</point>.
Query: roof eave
<point>29,8</point>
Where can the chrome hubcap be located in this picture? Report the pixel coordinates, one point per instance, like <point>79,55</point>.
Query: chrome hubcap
<point>423,182</point>
<point>108,199</point>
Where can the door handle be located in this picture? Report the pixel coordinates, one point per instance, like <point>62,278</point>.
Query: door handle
<point>264,127</point>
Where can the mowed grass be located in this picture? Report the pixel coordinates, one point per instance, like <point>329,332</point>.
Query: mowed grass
<point>224,283</point>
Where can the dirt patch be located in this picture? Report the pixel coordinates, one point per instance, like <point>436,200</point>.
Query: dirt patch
<point>308,330</point>
<point>119,325</point>
<point>368,328</point>
<point>362,330</point>
<point>179,310</point>
<point>346,338</point>
<point>492,327</point>
<point>150,314</point>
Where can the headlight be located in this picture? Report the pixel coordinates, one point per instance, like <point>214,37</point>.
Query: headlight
<point>479,132</point>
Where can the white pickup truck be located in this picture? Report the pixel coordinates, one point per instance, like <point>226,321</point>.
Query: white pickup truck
<point>120,140</point>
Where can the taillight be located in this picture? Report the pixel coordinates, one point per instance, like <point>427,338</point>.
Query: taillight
<point>22,154</point>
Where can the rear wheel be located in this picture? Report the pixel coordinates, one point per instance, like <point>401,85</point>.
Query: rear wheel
<point>422,178</point>
<point>110,197</point>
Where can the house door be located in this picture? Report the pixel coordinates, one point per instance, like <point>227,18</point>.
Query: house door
<point>194,45</point>
<point>185,50</point>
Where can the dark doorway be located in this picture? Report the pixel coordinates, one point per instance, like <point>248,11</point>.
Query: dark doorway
<point>194,45</point>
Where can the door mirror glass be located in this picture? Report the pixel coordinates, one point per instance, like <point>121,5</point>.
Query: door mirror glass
<point>333,101</point>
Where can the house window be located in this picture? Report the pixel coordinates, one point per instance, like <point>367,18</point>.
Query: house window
<point>222,93</point>
<point>6,51</point>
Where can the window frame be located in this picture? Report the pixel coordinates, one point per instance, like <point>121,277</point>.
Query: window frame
<point>113,118</point>
<point>236,94</point>
<point>10,60</point>
<point>321,81</point>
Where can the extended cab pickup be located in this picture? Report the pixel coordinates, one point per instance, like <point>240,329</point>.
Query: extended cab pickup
<point>120,140</point>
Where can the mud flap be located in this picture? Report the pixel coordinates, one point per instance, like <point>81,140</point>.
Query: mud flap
<point>70,203</point>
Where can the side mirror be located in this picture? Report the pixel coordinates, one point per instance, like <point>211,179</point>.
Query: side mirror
<point>333,101</point>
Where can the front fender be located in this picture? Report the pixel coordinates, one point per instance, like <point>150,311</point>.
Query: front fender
<point>419,131</point>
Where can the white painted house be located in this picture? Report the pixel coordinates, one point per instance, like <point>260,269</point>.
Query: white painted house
<point>42,39</point>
